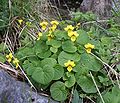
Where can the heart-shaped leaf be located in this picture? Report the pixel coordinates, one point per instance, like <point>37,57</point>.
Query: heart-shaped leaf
<point>58,91</point>
<point>43,75</point>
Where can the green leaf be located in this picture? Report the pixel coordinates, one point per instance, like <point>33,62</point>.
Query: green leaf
<point>81,70</point>
<point>70,81</point>
<point>68,46</point>
<point>83,37</point>
<point>86,84</point>
<point>81,49</point>
<point>24,52</point>
<point>53,49</point>
<point>51,62</point>
<point>40,47</point>
<point>76,98</point>
<point>64,57</point>
<point>43,75</point>
<point>54,43</point>
<point>90,62</point>
<point>58,91</point>
<point>44,54</point>
<point>58,72</point>
<point>60,34</point>
<point>29,67</point>
<point>2,58</point>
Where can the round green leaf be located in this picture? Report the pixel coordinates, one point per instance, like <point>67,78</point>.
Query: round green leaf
<point>68,46</point>
<point>64,57</point>
<point>58,72</point>
<point>44,54</point>
<point>70,81</point>
<point>24,52</point>
<point>60,34</point>
<point>83,37</point>
<point>58,91</point>
<point>43,75</point>
<point>53,49</point>
<point>51,62</point>
<point>86,84</point>
<point>40,47</point>
<point>79,68</point>
<point>90,62</point>
<point>54,43</point>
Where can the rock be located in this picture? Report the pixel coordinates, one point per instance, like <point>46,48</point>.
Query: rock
<point>13,91</point>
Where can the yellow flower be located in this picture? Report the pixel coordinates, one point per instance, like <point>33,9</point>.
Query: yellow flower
<point>52,29</point>
<point>44,25</point>
<point>20,21</point>
<point>89,47</point>
<point>69,28</point>
<point>39,35</point>
<point>50,36</point>
<point>9,57</point>
<point>28,23</point>
<point>16,62</point>
<point>78,25</point>
<point>73,35</point>
<point>69,64</point>
<point>54,22</point>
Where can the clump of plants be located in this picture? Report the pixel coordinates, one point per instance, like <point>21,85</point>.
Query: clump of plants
<point>69,61</point>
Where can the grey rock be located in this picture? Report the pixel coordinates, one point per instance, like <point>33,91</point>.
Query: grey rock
<point>13,91</point>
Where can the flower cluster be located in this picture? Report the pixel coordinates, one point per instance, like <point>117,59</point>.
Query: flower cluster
<point>89,47</point>
<point>9,58</point>
<point>69,64</point>
<point>72,34</point>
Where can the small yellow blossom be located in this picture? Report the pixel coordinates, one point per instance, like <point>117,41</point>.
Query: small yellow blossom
<point>78,25</point>
<point>69,64</point>
<point>9,57</point>
<point>54,22</point>
<point>50,36</point>
<point>20,21</point>
<point>52,29</point>
<point>16,62</point>
<point>39,35</point>
<point>44,25</point>
<point>73,35</point>
<point>69,28</point>
<point>89,47</point>
<point>28,23</point>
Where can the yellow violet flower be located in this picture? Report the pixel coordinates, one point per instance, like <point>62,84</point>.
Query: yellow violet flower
<point>78,25</point>
<point>50,36</point>
<point>73,35</point>
<point>16,62</point>
<point>54,22</point>
<point>52,29</point>
<point>44,25</point>
<point>69,64</point>
<point>39,35</point>
<point>20,21</point>
<point>9,57</point>
<point>28,23</point>
<point>69,28</point>
<point>89,47</point>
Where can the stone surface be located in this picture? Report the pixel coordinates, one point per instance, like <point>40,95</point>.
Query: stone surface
<point>13,91</point>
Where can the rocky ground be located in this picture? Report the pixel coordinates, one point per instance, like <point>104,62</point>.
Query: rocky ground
<point>13,91</point>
